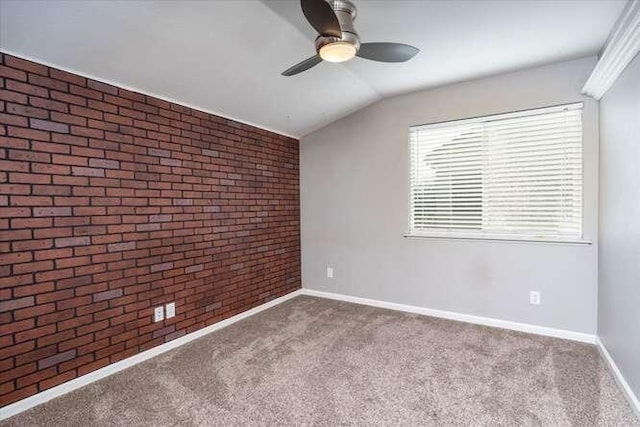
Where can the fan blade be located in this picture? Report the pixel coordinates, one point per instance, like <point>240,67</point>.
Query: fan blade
<point>302,66</point>
<point>321,16</point>
<point>387,52</point>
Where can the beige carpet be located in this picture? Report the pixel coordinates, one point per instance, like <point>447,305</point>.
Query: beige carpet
<point>311,361</point>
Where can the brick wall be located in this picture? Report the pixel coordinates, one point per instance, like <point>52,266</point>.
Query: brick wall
<point>114,202</point>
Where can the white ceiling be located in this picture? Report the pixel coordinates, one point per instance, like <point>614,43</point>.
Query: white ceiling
<point>225,56</point>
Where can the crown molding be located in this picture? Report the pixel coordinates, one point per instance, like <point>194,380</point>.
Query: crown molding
<point>623,45</point>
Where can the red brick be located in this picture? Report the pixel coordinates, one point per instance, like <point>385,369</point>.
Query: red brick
<point>17,143</point>
<point>16,280</point>
<point>124,246</point>
<point>9,119</point>
<point>16,97</point>
<point>103,87</point>
<point>76,322</point>
<point>57,380</point>
<point>56,338</point>
<point>47,82</point>
<point>67,77</point>
<point>37,310</point>
<point>13,166</point>
<point>7,399</point>
<point>32,245</point>
<point>161,267</point>
<point>38,135</point>
<point>16,349</point>
<point>76,342</point>
<point>34,333</point>
<point>15,258</point>
<point>37,376</point>
<point>27,88</point>
<point>70,160</point>
<point>68,119</point>
<point>55,317</point>
<point>56,274</point>
<point>9,96</point>
<point>76,170</point>
<point>50,211</point>
<point>32,267</point>
<point>50,170</point>
<point>6,365</point>
<point>73,282</point>
<point>52,232</point>
<point>35,355</point>
<point>73,302</point>
<point>31,200</point>
<point>106,295</point>
<point>102,163</point>
<point>25,65</point>
<point>86,112</point>
<point>64,138</point>
<point>49,126</point>
<point>9,189</point>
<point>12,73</point>
<point>48,104</point>
<point>16,303</point>
<point>56,359</point>
<point>74,363</point>
<point>31,223</point>
<point>52,190</point>
<point>87,132</point>
<point>53,254</point>
<point>54,296</point>
<point>17,372</point>
<point>33,289</point>
<point>72,241</point>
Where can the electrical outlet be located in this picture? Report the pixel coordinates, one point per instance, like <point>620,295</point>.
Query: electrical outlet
<point>170,310</point>
<point>330,272</point>
<point>158,314</point>
<point>534,297</point>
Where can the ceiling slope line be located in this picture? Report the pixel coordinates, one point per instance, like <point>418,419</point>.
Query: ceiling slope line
<point>146,93</point>
<point>623,45</point>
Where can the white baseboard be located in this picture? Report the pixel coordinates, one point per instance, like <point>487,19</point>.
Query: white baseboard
<point>77,383</point>
<point>479,320</point>
<point>624,385</point>
<point>45,396</point>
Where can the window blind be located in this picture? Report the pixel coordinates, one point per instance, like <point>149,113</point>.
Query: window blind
<point>516,174</point>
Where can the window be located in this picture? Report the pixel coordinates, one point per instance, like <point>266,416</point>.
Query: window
<point>512,176</point>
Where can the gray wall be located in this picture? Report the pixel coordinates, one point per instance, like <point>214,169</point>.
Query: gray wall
<point>354,195</point>
<point>619,257</point>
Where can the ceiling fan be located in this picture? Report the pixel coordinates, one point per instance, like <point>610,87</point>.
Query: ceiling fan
<point>338,41</point>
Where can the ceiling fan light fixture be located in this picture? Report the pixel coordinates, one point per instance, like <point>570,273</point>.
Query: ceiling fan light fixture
<point>337,51</point>
<point>338,40</point>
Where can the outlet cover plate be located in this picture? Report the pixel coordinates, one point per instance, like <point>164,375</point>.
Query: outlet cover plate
<point>534,297</point>
<point>170,310</point>
<point>158,314</point>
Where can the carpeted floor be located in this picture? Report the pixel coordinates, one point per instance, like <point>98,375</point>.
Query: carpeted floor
<point>312,361</point>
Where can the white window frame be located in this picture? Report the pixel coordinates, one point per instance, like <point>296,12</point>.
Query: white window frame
<point>502,237</point>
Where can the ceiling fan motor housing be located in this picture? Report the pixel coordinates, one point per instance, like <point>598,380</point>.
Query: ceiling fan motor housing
<point>346,13</point>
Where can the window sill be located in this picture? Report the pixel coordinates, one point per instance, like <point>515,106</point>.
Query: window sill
<point>504,239</point>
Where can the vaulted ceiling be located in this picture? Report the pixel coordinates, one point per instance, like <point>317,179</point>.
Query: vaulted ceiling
<point>225,56</point>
